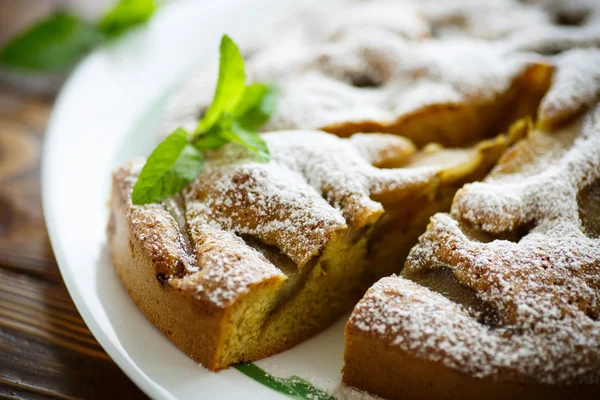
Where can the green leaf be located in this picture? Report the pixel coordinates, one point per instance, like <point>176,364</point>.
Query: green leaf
<point>212,140</point>
<point>294,386</point>
<point>171,167</point>
<point>51,45</point>
<point>230,85</point>
<point>249,139</point>
<point>125,15</point>
<point>256,106</point>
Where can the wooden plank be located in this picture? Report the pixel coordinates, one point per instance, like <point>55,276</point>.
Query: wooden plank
<point>46,351</point>
<point>24,244</point>
<point>14,390</point>
<point>42,310</point>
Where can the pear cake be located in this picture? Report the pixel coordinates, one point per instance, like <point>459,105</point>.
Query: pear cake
<point>390,117</point>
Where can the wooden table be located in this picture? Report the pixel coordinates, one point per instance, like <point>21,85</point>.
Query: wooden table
<point>46,351</point>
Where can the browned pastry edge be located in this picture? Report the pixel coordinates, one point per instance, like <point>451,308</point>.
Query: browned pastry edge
<point>373,365</point>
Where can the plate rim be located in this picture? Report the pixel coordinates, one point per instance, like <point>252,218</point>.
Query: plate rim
<point>140,379</point>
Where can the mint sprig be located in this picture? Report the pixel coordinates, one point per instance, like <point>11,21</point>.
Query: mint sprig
<point>235,114</point>
<point>58,41</point>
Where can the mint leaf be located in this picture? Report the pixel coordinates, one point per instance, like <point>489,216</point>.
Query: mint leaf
<point>249,139</point>
<point>294,386</point>
<point>230,85</point>
<point>51,45</point>
<point>256,106</point>
<point>59,41</point>
<point>212,140</point>
<point>125,15</point>
<point>171,167</point>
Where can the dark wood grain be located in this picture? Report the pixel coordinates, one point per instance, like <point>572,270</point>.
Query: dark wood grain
<point>46,351</point>
<point>24,244</point>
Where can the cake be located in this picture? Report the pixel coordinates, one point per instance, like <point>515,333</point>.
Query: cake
<point>500,297</point>
<point>390,113</point>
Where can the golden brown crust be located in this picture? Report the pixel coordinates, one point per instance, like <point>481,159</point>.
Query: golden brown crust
<point>194,333</point>
<point>383,369</point>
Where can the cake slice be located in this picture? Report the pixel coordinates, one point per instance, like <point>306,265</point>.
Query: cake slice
<point>253,258</point>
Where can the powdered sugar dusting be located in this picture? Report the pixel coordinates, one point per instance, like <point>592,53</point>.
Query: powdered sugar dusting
<point>348,63</point>
<point>229,267</point>
<point>544,287</point>
<point>576,85</point>
<point>155,227</point>
<point>215,267</point>
<point>362,62</point>
<point>344,392</point>
<point>305,194</point>
<point>269,201</point>
<point>297,202</point>
<point>368,71</point>
<point>359,76</point>
<point>537,181</point>
<point>490,19</point>
<point>430,326</point>
<point>425,323</point>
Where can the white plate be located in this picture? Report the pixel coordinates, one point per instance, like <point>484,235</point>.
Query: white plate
<point>108,112</point>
